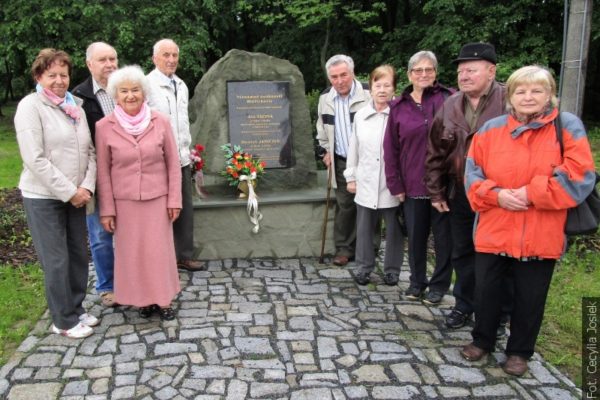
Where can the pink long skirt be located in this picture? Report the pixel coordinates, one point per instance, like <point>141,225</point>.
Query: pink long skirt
<point>145,264</point>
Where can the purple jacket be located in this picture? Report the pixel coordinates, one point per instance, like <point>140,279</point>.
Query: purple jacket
<point>405,141</point>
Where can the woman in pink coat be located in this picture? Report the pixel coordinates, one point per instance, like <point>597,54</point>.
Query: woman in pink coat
<point>139,180</point>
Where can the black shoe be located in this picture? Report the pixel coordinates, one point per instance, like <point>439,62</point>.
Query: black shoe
<point>457,319</point>
<point>433,298</point>
<point>362,278</point>
<point>166,314</point>
<point>412,293</point>
<point>390,279</point>
<point>146,312</point>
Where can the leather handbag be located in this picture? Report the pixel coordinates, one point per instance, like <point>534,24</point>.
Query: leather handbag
<point>585,217</point>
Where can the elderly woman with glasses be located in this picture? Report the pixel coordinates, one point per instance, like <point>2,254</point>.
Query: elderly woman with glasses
<point>139,181</point>
<point>405,148</point>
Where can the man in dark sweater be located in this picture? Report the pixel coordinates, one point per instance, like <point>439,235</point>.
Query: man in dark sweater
<point>101,60</point>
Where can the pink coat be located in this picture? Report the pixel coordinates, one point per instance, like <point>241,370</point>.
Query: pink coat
<point>142,169</point>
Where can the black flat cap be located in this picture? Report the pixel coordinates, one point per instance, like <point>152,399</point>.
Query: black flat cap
<point>477,51</point>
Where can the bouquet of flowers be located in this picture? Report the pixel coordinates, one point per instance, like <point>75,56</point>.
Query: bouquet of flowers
<point>242,169</point>
<point>239,163</point>
<point>197,165</point>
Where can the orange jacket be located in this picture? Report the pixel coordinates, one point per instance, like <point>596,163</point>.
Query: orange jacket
<point>505,154</point>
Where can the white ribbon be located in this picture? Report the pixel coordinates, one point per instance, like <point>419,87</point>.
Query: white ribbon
<point>252,208</point>
<point>199,183</point>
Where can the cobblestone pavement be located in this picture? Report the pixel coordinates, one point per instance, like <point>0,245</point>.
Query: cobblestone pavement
<point>271,329</point>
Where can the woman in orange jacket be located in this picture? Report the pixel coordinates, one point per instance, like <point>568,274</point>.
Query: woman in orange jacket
<point>521,186</point>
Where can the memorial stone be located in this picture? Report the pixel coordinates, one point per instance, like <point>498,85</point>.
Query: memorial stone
<point>210,118</point>
<point>258,101</point>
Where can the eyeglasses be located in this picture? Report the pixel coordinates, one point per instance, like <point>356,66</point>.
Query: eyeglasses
<point>421,71</point>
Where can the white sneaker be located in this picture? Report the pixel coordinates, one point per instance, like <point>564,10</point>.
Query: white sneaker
<point>88,319</point>
<point>77,332</point>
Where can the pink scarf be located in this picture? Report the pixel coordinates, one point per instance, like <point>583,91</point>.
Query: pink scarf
<point>70,109</point>
<point>133,124</point>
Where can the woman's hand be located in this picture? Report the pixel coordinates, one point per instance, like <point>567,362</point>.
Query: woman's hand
<point>351,187</point>
<point>401,197</point>
<point>173,213</point>
<point>108,223</point>
<point>512,200</point>
<point>80,198</point>
<point>440,206</point>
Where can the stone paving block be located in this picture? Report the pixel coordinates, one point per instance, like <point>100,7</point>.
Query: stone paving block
<point>174,348</point>
<point>70,373</point>
<point>541,373</point>
<point>371,373</point>
<point>555,393</point>
<point>451,373</point>
<point>493,391</point>
<point>37,391</point>
<point>22,373</point>
<point>454,392</point>
<point>327,347</point>
<point>301,323</point>
<point>311,394</point>
<point>28,344</point>
<point>262,389</point>
<point>125,380</point>
<point>125,392</point>
<point>76,388</point>
<point>212,371</point>
<point>253,345</point>
<point>304,358</point>
<point>48,373</point>
<point>100,386</point>
<point>395,392</point>
<point>427,374</point>
<point>356,392</point>
<point>405,373</point>
<point>216,387</point>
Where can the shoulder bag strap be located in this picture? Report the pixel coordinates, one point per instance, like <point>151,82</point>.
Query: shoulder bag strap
<point>559,134</point>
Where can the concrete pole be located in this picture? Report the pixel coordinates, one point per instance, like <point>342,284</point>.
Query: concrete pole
<point>575,56</point>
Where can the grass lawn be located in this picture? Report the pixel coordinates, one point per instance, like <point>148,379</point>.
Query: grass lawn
<point>10,161</point>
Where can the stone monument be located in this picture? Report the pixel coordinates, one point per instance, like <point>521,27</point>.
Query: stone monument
<point>258,101</point>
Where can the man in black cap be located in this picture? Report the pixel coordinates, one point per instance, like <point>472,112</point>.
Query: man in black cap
<point>480,99</point>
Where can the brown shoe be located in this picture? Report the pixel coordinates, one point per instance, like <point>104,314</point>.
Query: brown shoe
<point>191,265</point>
<point>340,260</point>
<point>472,353</point>
<point>515,365</point>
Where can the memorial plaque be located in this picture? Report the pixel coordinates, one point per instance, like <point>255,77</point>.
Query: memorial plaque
<point>259,120</point>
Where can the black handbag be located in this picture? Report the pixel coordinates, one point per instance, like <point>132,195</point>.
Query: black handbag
<point>585,217</point>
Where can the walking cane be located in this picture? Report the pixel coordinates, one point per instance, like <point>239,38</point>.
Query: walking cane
<point>324,228</point>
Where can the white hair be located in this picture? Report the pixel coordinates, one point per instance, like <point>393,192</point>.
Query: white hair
<point>130,73</point>
<point>156,47</point>
<point>92,47</point>
<point>338,59</point>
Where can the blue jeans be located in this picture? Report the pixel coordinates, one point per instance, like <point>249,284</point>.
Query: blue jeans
<point>101,244</point>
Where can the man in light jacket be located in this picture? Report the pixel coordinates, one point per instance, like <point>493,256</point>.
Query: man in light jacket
<point>337,106</point>
<point>170,95</point>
